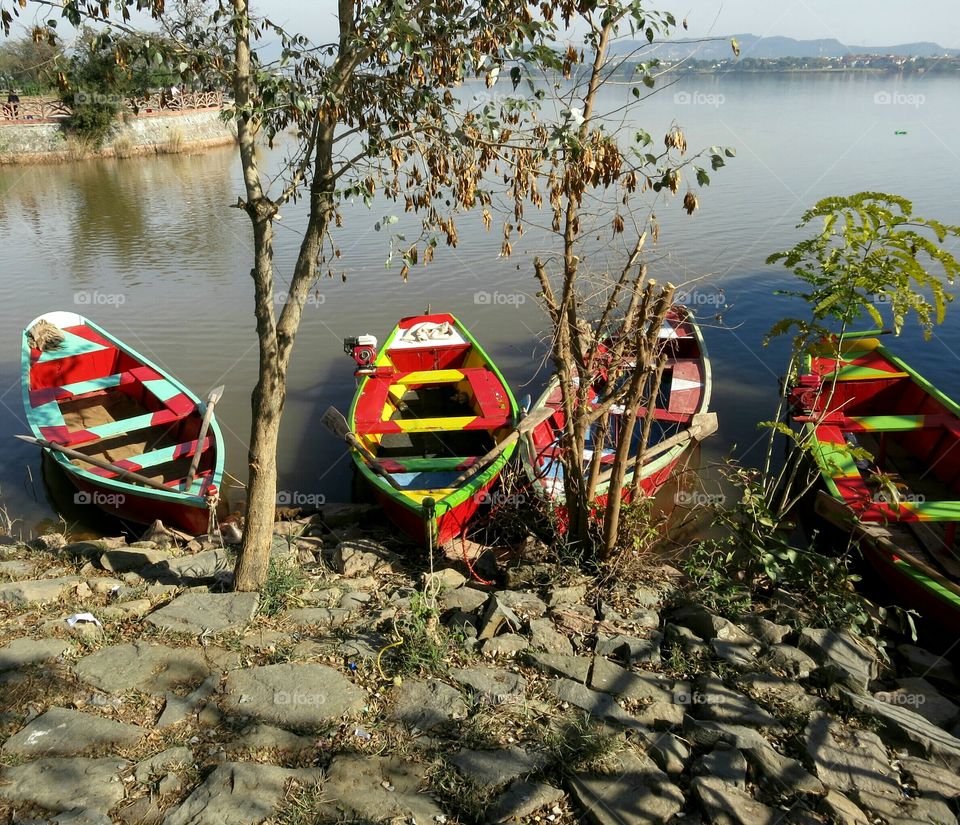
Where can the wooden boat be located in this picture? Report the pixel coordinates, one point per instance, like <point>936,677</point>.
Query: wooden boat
<point>900,503</point>
<point>429,409</point>
<point>681,420</point>
<point>98,398</point>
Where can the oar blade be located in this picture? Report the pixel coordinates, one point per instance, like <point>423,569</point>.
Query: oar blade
<point>28,438</point>
<point>335,422</point>
<point>216,394</point>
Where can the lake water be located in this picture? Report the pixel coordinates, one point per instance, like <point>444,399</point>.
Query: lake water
<point>151,250</point>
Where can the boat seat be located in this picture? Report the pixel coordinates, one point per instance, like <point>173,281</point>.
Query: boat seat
<point>426,465</point>
<point>154,458</point>
<point>927,511</point>
<point>454,423</point>
<point>891,423</point>
<point>69,392</point>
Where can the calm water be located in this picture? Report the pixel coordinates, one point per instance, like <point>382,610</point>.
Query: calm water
<point>163,262</point>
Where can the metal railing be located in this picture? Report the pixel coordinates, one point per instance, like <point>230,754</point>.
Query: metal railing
<point>32,109</point>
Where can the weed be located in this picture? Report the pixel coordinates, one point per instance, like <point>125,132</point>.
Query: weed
<point>284,581</point>
<point>425,642</point>
<point>458,795</point>
<point>580,744</point>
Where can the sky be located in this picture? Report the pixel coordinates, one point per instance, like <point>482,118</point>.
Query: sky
<point>853,22</point>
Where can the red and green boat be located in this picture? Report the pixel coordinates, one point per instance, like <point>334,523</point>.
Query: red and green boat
<point>681,420</point>
<point>90,394</point>
<point>434,419</point>
<point>900,496</point>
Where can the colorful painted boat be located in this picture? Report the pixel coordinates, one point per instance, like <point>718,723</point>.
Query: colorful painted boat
<point>900,497</point>
<point>681,420</point>
<point>430,406</point>
<point>95,395</point>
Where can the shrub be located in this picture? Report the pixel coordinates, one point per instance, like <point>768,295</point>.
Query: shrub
<point>92,118</point>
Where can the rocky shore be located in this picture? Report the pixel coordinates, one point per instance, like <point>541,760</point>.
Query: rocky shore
<point>135,688</point>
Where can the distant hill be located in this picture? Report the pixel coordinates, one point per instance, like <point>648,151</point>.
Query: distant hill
<point>773,48</point>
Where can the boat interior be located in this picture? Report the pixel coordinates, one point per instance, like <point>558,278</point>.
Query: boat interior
<point>431,409</point>
<point>90,395</point>
<point>912,439</point>
<point>679,397</point>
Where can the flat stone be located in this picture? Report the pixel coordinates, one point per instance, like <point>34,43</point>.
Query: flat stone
<point>267,737</point>
<point>763,630</point>
<point>294,696</point>
<point>523,602</point>
<point>791,660</point>
<point>506,646</point>
<point>81,816</point>
<point>493,769</point>
<point>563,596</point>
<point>686,640</point>
<point>23,652</point>
<point>492,685</point>
<point>237,793</point>
<point>919,695</point>
<point>725,763</point>
<point>630,649</point>
<point>31,592</point>
<point>441,580</point>
<point>911,728</point>
<point>597,704</point>
<point>425,705</point>
<point>150,668</point>
<point>132,559</point>
<point>636,792</point>
<point>330,617</point>
<point>180,708</point>
<point>133,609</point>
<point>91,550</point>
<point>496,616</point>
<point>641,687</point>
<point>714,701</point>
<point>734,653</point>
<point>849,759</point>
<point>377,788</point>
<point>706,734</point>
<point>359,557</point>
<point>197,613</point>
<point>643,618</point>
<point>840,656</point>
<point>922,662</point>
<point>522,799</point>
<point>364,646</point>
<point>15,569</point>
<point>782,692</point>
<point>843,810</point>
<point>195,569</point>
<point>668,751</point>
<point>659,715</point>
<point>545,636</point>
<point>725,804</point>
<point>64,732</point>
<point>463,598</point>
<point>65,784</point>
<point>709,625</point>
<point>104,585</point>
<point>898,810</point>
<point>931,779</point>
<point>574,667</point>
<point>783,771</point>
<point>161,763</point>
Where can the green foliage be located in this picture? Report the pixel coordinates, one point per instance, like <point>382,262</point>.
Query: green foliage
<point>425,641</point>
<point>91,119</point>
<point>28,66</point>
<point>756,559</point>
<point>870,248</point>
<point>284,581</point>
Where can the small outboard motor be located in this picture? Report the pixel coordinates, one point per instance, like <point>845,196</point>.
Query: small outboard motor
<point>363,350</point>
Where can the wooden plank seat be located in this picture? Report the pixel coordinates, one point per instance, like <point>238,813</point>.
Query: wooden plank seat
<point>487,390</point>
<point>427,465</point>
<point>154,458</point>
<point>890,423</point>
<point>69,392</point>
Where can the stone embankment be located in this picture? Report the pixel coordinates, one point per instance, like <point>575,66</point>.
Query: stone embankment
<point>337,695</point>
<point>167,133</point>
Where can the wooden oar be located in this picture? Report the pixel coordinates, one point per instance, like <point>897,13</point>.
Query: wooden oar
<point>212,399</point>
<point>96,462</point>
<point>701,426</point>
<point>526,424</point>
<point>334,421</point>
